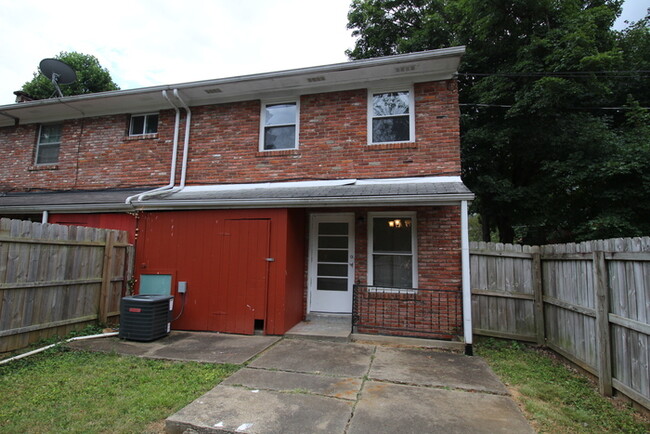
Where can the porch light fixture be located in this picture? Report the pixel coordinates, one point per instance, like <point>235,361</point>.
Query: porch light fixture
<point>399,223</point>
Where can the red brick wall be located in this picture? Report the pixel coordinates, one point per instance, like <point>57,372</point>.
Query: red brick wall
<point>96,153</point>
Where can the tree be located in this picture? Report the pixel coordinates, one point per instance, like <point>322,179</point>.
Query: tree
<point>536,85</point>
<point>91,78</point>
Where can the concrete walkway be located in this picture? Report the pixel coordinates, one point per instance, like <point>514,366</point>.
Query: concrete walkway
<point>305,386</point>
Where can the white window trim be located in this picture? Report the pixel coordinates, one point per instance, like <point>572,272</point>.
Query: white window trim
<point>414,246</point>
<point>263,125</point>
<point>145,124</point>
<point>39,144</point>
<point>372,92</point>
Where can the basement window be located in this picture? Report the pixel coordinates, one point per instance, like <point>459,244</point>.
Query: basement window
<point>49,141</point>
<point>390,117</point>
<point>144,124</point>
<point>279,126</point>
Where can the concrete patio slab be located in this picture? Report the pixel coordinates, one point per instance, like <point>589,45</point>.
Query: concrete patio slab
<point>235,409</point>
<point>186,346</point>
<point>332,358</point>
<point>324,327</point>
<point>396,408</point>
<point>336,387</point>
<point>434,368</point>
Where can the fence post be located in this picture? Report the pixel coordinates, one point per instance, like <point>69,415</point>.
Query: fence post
<point>602,324</point>
<point>540,328</point>
<point>106,277</point>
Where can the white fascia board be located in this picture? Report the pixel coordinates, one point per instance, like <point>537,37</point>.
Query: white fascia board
<point>317,183</point>
<point>406,68</point>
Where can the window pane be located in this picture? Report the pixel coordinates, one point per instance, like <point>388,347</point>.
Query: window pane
<point>393,271</point>
<point>48,154</point>
<point>392,234</point>
<point>280,114</point>
<point>393,103</point>
<point>333,256</point>
<point>333,229</point>
<point>331,284</point>
<point>280,137</point>
<point>152,124</point>
<point>333,241</point>
<point>155,284</point>
<point>333,270</point>
<point>50,134</point>
<point>137,125</point>
<point>394,129</point>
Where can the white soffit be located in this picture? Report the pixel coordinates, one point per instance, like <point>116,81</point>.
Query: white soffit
<point>383,71</point>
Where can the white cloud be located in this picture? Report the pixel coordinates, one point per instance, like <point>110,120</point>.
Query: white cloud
<point>145,43</point>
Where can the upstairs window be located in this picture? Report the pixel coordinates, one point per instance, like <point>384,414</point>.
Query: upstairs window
<point>392,250</point>
<point>391,117</point>
<point>143,124</point>
<point>279,126</point>
<point>49,141</point>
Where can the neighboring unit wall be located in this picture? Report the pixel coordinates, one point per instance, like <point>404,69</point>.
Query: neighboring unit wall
<point>118,221</point>
<point>96,153</point>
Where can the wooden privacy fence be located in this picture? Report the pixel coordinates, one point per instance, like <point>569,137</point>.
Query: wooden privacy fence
<point>590,302</point>
<point>54,279</point>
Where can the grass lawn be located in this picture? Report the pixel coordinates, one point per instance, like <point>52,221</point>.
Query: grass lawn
<point>555,397</point>
<point>72,391</point>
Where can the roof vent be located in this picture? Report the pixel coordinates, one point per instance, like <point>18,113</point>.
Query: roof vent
<point>407,68</point>
<point>213,90</point>
<point>316,79</point>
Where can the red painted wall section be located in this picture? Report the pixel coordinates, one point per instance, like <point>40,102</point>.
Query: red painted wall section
<point>205,249</point>
<point>121,222</point>
<point>295,280</point>
<point>97,153</point>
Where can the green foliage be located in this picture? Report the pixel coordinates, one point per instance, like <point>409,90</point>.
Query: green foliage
<point>547,158</point>
<point>556,398</point>
<point>91,78</point>
<point>62,391</point>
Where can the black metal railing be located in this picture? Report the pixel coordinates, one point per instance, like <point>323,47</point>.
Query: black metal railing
<point>413,312</point>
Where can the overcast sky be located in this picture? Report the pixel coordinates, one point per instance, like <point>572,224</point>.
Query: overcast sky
<point>147,43</point>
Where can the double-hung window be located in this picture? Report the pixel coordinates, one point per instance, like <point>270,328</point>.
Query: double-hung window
<point>279,126</point>
<point>49,141</point>
<point>141,125</point>
<point>390,117</point>
<point>392,251</point>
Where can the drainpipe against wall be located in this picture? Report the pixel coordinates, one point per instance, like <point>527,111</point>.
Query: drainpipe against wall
<point>467,292</point>
<point>45,217</point>
<point>172,172</point>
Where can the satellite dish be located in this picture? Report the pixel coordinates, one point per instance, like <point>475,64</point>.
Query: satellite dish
<point>58,72</point>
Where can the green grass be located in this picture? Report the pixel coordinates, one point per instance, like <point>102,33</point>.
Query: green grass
<point>556,398</point>
<point>73,391</point>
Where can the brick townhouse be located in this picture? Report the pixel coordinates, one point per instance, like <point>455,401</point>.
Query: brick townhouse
<point>268,197</point>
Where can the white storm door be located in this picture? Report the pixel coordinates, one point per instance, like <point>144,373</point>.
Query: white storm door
<point>331,263</point>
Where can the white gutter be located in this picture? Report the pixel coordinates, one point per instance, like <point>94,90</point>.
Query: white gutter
<point>467,292</point>
<point>172,172</point>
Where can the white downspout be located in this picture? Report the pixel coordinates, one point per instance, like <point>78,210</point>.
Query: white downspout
<point>186,141</point>
<point>172,174</point>
<point>45,217</point>
<point>467,291</point>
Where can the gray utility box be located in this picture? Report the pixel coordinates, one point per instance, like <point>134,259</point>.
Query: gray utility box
<point>145,317</point>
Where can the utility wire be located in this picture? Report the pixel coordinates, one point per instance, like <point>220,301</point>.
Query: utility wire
<point>576,74</point>
<point>569,108</point>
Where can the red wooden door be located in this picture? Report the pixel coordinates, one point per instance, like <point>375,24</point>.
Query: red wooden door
<point>241,277</point>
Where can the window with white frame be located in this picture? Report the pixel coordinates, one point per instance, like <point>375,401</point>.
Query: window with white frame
<point>279,126</point>
<point>49,141</point>
<point>392,258</point>
<point>390,117</point>
<point>141,125</point>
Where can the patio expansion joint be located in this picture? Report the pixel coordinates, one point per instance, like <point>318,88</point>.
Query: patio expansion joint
<point>319,373</point>
<point>439,387</point>
<point>363,382</point>
<point>292,392</point>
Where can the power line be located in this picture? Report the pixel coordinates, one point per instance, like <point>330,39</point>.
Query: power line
<point>569,74</point>
<point>568,108</point>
